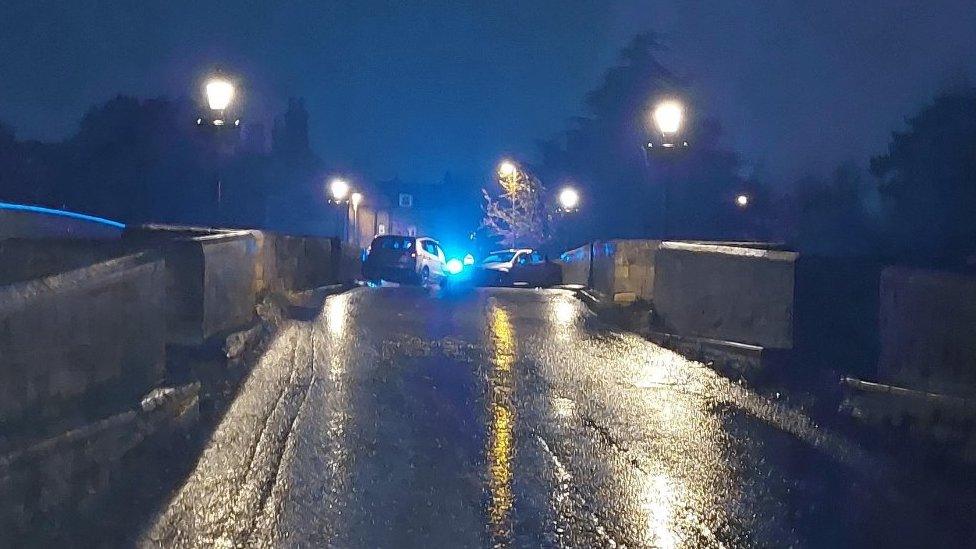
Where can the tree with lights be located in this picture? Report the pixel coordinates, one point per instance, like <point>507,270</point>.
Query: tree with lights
<point>519,215</point>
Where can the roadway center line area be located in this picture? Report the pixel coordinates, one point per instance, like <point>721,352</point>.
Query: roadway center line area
<point>402,417</point>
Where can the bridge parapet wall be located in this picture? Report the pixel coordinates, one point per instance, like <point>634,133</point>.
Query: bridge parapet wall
<point>74,343</point>
<point>621,268</point>
<point>728,293</point>
<point>927,325</point>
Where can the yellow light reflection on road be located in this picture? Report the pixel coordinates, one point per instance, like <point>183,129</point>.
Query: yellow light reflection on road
<point>659,501</point>
<point>565,312</point>
<point>501,427</point>
<point>336,310</point>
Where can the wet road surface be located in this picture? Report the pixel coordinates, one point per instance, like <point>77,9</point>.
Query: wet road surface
<point>402,418</point>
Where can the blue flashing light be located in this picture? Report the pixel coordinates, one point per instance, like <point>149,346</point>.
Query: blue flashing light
<point>62,213</point>
<point>454,266</point>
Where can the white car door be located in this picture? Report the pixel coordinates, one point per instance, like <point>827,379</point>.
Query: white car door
<point>423,255</point>
<point>427,253</point>
<point>441,261</point>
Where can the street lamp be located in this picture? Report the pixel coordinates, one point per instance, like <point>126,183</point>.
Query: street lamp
<point>508,175</point>
<point>668,116</point>
<point>569,199</point>
<point>219,92</point>
<point>339,189</point>
<point>742,201</point>
<point>507,169</point>
<point>355,199</point>
<point>668,119</point>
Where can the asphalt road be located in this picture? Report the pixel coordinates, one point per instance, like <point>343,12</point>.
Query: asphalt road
<point>402,418</point>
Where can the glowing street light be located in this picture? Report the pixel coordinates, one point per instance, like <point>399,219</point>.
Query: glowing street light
<point>742,200</point>
<point>507,169</point>
<point>339,189</point>
<point>356,198</point>
<point>220,92</point>
<point>508,174</point>
<point>568,199</point>
<point>668,116</point>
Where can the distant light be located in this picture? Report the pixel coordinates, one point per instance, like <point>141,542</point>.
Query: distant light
<point>339,188</point>
<point>220,93</point>
<point>668,116</point>
<point>506,168</point>
<point>569,198</point>
<point>356,198</point>
<point>62,213</point>
<point>454,266</point>
<point>742,200</point>
<point>468,259</point>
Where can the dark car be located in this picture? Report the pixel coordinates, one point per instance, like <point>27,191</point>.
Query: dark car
<point>404,259</point>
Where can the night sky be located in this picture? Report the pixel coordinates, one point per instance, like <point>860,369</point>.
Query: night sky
<point>415,89</point>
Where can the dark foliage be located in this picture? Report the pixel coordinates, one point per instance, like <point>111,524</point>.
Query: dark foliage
<point>624,187</point>
<point>928,183</point>
<point>147,160</point>
<point>834,217</point>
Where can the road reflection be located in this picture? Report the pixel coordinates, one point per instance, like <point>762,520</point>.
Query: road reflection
<point>501,426</point>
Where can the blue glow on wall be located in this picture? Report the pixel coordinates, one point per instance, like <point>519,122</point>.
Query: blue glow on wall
<point>62,213</point>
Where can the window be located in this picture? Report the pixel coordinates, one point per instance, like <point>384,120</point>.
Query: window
<point>381,229</point>
<point>499,257</point>
<point>406,200</point>
<point>412,231</point>
<point>533,258</point>
<point>392,243</point>
<point>430,247</point>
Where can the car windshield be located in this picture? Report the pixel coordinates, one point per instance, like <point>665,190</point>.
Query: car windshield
<point>499,257</point>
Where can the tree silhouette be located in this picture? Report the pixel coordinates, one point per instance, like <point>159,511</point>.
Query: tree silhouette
<point>603,153</point>
<point>833,217</point>
<point>928,183</point>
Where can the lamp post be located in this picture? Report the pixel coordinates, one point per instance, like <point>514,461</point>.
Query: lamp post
<point>668,119</point>
<point>338,190</point>
<point>742,201</point>
<point>220,93</point>
<point>355,199</point>
<point>508,175</point>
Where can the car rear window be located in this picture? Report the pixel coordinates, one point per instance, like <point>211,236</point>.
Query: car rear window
<point>392,243</point>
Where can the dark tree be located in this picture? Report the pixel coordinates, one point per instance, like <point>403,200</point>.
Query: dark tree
<point>27,170</point>
<point>603,153</point>
<point>290,134</point>
<point>928,183</point>
<point>834,217</point>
